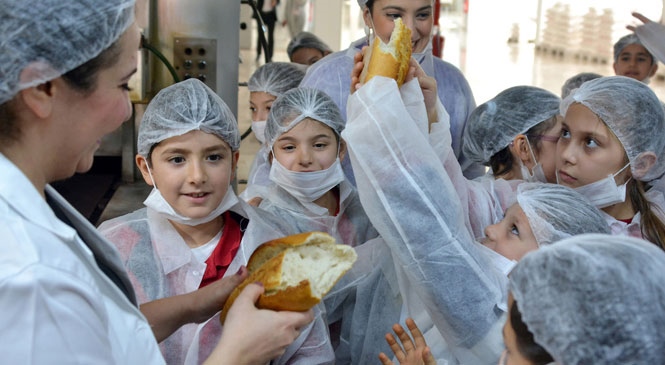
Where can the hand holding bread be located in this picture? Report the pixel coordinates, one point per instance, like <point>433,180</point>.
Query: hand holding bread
<point>296,271</point>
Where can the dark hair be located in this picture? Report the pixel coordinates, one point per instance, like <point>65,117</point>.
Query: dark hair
<point>83,78</point>
<point>526,345</point>
<point>501,162</point>
<point>651,226</point>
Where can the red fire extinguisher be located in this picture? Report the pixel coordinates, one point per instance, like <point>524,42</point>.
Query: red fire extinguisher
<point>437,39</point>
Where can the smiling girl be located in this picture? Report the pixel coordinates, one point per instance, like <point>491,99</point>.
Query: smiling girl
<point>610,148</point>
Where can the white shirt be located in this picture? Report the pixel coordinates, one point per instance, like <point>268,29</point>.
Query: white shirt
<point>57,305</point>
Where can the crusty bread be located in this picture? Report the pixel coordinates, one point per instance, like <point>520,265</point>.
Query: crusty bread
<point>389,60</point>
<point>296,271</point>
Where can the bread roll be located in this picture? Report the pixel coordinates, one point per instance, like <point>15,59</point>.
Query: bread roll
<point>296,271</point>
<point>389,60</point>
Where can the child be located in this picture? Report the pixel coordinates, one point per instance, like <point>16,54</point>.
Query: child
<point>632,59</point>
<point>609,150</point>
<point>576,80</point>
<point>306,49</point>
<point>265,85</point>
<point>193,225</point>
<point>515,133</point>
<point>444,276</point>
<point>570,299</point>
<point>309,190</point>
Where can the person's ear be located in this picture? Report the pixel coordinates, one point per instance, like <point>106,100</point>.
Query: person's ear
<point>234,164</point>
<point>367,17</point>
<point>654,68</point>
<point>342,150</point>
<point>520,149</point>
<point>642,164</point>
<point>142,164</point>
<point>39,99</point>
<point>614,67</point>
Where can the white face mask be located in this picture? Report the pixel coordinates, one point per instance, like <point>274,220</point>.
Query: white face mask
<point>156,202</point>
<point>259,128</point>
<point>501,263</point>
<point>306,186</point>
<point>538,173</point>
<point>605,192</point>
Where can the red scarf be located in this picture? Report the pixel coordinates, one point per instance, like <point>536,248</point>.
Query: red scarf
<point>226,249</point>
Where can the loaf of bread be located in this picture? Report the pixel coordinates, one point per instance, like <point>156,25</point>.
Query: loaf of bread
<point>389,60</point>
<point>296,271</point>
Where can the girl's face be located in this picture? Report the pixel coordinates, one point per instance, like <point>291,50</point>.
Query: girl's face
<point>635,62</point>
<point>260,103</point>
<point>417,15</point>
<point>306,56</point>
<point>546,151</point>
<point>512,237</point>
<point>193,171</point>
<point>309,146</point>
<point>102,111</point>
<point>512,355</point>
<point>587,150</point>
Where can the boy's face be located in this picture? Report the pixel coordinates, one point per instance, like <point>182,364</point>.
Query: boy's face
<point>309,146</point>
<point>512,237</point>
<point>636,62</point>
<point>192,171</point>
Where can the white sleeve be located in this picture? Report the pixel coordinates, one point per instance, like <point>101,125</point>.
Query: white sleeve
<point>413,204</point>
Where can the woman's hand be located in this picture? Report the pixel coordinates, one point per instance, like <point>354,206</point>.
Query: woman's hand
<point>357,70</point>
<point>412,351</point>
<point>255,336</point>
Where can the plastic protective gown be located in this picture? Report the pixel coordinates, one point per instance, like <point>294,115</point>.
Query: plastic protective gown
<point>413,204</point>
<point>331,75</point>
<point>161,264</point>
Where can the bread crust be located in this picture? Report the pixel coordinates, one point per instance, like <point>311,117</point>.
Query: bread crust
<point>266,266</point>
<point>389,60</point>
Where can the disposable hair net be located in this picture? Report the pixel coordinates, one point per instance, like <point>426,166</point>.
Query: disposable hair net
<point>632,112</point>
<point>493,125</point>
<point>594,299</point>
<point>275,78</point>
<point>625,41</point>
<point>297,104</point>
<point>556,212</point>
<point>362,3</point>
<point>41,40</point>
<point>577,80</point>
<point>306,40</point>
<point>183,107</point>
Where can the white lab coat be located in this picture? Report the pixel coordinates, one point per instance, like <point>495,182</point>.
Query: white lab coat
<point>57,305</point>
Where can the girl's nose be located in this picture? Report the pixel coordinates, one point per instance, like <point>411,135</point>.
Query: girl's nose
<point>197,173</point>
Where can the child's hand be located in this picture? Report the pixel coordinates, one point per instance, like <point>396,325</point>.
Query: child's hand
<point>357,70</point>
<point>641,17</point>
<point>255,202</point>
<point>411,352</point>
<point>428,87</point>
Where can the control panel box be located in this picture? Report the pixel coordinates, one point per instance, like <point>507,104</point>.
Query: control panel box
<point>196,58</point>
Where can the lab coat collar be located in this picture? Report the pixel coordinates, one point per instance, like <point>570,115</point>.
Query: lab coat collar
<point>23,197</point>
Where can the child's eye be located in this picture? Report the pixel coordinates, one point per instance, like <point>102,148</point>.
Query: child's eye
<point>215,157</point>
<point>288,148</point>
<point>252,109</point>
<point>394,15</point>
<point>565,134</point>
<point>177,159</point>
<point>320,145</point>
<point>423,15</point>
<point>591,143</point>
<point>126,87</point>
<point>514,230</point>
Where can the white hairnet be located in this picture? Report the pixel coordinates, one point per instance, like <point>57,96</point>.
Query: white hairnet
<point>183,107</point>
<point>626,41</point>
<point>556,212</point>
<point>306,40</point>
<point>41,40</point>
<point>594,299</point>
<point>275,78</point>
<point>632,112</point>
<point>362,3</point>
<point>297,104</point>
<point>575,81</point>
<point>493,125</point>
